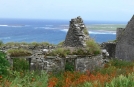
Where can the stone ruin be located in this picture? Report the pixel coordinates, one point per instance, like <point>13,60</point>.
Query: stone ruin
<point>77,33</point>
<point>37,62</point>
<point>125,42</point>
<point>76,37</point>
<point>110,48</point>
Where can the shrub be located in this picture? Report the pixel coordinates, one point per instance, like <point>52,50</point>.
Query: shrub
<point>20,64</point>
<point>4,64</point>
<point>19,52</point>
<point>69,66</point>
<point>93,47</point>
<point>122,81</point>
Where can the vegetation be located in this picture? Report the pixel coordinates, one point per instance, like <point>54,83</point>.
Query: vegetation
<point>40,44</point>
<point>61,52</point>
<point>69,66</point>
<point>4,64</point>
<point>20,76</point>
<point>20,64</point>
<point>86,31</point>
<point>61,43</point>
<point>24,79</point>
<point>19,52</point>
<point>91,49</point>
<point>116,73</point>
<point>122,81</point>
<point>112,75</point>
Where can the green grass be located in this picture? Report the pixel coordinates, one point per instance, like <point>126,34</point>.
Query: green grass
<point>61,52</point>
<point>116,66</point>
<point>121,63</point>
<point>40,44</point>
<point>92,48</point>
<point>19,52</point>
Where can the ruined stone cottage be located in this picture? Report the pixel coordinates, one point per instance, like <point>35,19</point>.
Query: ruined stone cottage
<point>76,37</point>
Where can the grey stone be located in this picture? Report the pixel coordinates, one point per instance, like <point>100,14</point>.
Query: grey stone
<point>125,42</point>
<point>110,48</point>
<point>76,36</point>
<point>86,63</point>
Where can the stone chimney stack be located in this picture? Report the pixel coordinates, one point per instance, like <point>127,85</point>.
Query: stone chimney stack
<point>77,33</point>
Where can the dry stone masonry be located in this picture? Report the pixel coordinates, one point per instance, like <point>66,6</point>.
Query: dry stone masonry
<point>76,37</point>
<point>110,48</point>
<point>38,61</point>
<point>77,33</point>
<point>125,42</point>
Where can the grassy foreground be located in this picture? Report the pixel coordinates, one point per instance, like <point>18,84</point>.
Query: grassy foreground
<point>116,73</point>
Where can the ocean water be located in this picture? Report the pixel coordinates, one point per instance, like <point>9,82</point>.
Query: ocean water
<point>52,31</point>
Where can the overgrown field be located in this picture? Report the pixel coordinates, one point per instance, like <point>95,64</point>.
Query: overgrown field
<point>116,73</point>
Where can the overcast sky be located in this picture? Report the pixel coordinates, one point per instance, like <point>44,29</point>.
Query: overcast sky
<point>106,10</point>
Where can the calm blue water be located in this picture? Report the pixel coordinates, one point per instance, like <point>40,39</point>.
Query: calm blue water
<point>52,31</point>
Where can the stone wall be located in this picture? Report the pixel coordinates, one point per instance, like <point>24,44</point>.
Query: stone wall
<point>125,42</point>
<point>89,63</point>
<point>55,64</point>
<point>119,33</point>
<point>110,48</point>
<point>81,63</point>
<point>49,64</point>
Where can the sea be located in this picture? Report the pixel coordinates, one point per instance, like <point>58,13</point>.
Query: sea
<point>53,31</point>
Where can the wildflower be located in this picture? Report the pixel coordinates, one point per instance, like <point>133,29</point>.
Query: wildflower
<point>33,79</point>
<point>0,77</point>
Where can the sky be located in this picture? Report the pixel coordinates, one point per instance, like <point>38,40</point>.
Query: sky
<point>96,10</point>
